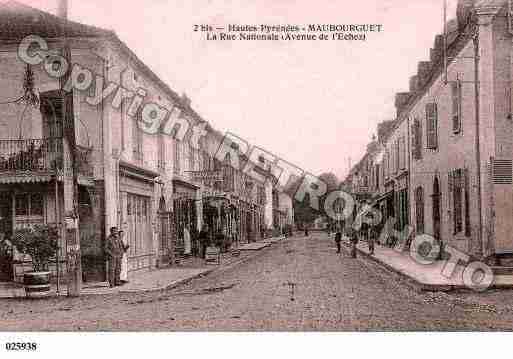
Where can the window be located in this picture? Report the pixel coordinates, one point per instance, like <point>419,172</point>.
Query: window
<point>137,138</point>
<point>419,209</point>
<point>30,204</point>
<point>377,172</point>
<point>417,139</point>
<point>456,188</point>
<point>177,157</point>
<point>402,153</point>
<point>432,126</point>
<point>190,156</point>
<point>468,230</point>
<point>456,106</point>
<point>162,153</point>
<point>397,156</point>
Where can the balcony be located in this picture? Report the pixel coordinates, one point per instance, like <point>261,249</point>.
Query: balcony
<point>38,160</point>
<point>33,160</point>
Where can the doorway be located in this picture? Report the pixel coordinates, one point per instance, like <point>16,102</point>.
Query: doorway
<point>6,227</point>
<point>437,197</point>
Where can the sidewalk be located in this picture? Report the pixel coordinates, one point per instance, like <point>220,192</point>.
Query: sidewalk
<point>424,277</point>
<point>154,280</point>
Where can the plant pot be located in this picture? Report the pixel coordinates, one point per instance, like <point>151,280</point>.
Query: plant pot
<point>37,284</point>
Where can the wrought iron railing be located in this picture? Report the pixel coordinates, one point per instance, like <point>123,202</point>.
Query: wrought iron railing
<point>33,155</point>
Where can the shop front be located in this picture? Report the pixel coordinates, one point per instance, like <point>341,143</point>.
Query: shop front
<point>185,218</point>
<point>137,202</point>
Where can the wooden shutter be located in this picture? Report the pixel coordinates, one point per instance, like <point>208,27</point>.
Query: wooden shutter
<point>456,106</point>
<point>468,230</point>
<point>431,126</point>
<point>417,139</point>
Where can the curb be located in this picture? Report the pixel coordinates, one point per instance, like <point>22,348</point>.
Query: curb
<point>196,276</point>
<point>410,281</point>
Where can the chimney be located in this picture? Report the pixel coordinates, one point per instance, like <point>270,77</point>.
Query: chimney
<point>424,71</point>
<point>414,84</point>
<point>186,100</point>
<point>62,12</point>
<point>463,13</point>
<point>437,51</point>
<point>401,100</point>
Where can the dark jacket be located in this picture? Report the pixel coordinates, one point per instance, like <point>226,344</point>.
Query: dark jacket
<point>338,237</point>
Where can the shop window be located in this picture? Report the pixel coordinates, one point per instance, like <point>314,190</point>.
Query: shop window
<point>22,205</point>
<point>30,204</point>
<point>36,204</point>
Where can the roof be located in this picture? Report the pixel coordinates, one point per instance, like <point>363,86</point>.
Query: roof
<point>19,21</point>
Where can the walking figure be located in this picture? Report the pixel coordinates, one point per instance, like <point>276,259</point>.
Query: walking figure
<point>353,239</point>
<point>338,240</point>
<point>371,240</point>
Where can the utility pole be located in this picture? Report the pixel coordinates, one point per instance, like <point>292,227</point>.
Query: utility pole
<point>72,236</point>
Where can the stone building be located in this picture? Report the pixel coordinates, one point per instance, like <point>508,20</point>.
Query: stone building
<point>151,181</point>
<point>448,160</point>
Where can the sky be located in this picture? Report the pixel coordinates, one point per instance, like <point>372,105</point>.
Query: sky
<point>314,104</point>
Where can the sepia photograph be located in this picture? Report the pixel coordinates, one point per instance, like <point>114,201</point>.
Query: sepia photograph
<point>220,167</point>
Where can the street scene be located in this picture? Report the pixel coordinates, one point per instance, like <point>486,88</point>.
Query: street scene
<point>331,293</point>
<point>225,173</point>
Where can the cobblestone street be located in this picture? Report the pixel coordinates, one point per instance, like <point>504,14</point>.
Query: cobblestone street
<point>298,284</point>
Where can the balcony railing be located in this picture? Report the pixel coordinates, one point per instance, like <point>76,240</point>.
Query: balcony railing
<point>34,155</point>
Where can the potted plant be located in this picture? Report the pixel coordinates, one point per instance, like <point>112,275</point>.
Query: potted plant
<point>40,243</point>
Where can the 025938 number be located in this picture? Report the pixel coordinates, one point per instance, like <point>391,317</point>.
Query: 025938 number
<point>20,346</point>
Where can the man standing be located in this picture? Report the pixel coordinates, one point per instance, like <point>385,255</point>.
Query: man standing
<point>114,252</point>
<point>203,240</point>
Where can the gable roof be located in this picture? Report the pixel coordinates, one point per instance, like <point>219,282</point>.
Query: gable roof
<point>19,21</point>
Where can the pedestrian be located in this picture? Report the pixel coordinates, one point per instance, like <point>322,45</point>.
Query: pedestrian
<point>371,240</point>
<point>306,230</point>
<point>353,239</point>
<point>338,240</point>
<point>124,259</point>
<point>114,252</point>
<point>203,240</point>
<point>187,241</point>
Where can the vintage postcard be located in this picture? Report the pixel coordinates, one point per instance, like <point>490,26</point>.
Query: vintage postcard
<point>260,166</point>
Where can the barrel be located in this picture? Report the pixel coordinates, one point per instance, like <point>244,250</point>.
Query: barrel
<point>36,283</point>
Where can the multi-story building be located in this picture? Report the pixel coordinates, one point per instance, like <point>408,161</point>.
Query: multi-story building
<point>448,160</point>
<point>146,181</point>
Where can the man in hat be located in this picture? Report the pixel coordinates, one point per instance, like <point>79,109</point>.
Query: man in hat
<point>114,252</point>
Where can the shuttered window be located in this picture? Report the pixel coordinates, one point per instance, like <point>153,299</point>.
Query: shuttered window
<point>468,229</point>
<point>502,172</point>
<point>162,153</point>
<point>137,138</point>
<point>419,209</point>
<point>402,153</point>
<point>417,139</point>
<point>432,126</point>
<point>456,106</point>
<point>177,157</point>
<point>456,187</point>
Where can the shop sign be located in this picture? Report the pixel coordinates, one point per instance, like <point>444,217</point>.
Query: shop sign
<point>207,176</point>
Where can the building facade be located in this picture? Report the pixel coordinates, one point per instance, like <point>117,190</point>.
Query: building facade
<point>446,162</point>
<point>153,183</point>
